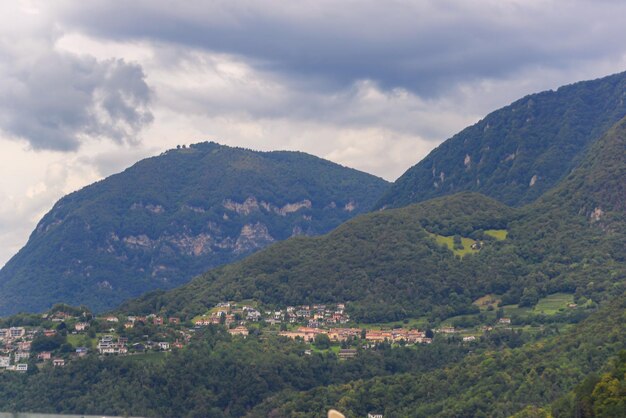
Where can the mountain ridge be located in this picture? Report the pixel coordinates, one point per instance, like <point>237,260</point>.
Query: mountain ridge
<point>170,217</point>
<point>518,152</point>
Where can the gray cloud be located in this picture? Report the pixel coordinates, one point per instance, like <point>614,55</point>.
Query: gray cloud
<point>52,99</point>
<point>424,46</point>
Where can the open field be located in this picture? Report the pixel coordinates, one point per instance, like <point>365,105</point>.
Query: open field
<point>499,234</point>
<point>553,303</point>
<point>449,242</point>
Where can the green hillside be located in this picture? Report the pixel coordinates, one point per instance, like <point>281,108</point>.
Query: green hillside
<point>517,153</point>
<point>538,301</point>
<point>171,217</point>
<point>489,383</point>
<point>404,262</point>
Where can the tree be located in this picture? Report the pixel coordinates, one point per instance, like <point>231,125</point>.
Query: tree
<point>322,341</point>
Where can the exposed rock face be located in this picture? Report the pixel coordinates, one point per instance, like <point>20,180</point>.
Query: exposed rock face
<point>350,206</point>
<point>252,237</point>
<point>246,208</point>
<point>596,215</point>
<point>141,241</point>
<point>156,209</point>
<point>171,217</point>
<point>251,205</point>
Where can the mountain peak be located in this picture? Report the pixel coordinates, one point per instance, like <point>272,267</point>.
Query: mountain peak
<point>519,152</point>
<point>170,217</point>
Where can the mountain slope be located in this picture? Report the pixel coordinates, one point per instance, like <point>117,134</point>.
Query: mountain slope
<point>390,264</point>
<point>494,383</point>
<point>517,153</point>
<point>597,186</point>
<point>171,217</point>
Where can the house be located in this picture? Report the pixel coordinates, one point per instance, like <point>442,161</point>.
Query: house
<point>370,415</point>
<point>58,362</point>
<point>469,339</point>
<point>5,361</point>
<point>22,355</point>
<point>16,332</point>
<point>24,345</point>
<point>112,318</point>
<point>165,346</point>
<point>82,351</point>
<point>174,321</point>
<point>307,334</point>
<point>49,332</point>
<point>253,315</point>
<point>347,353</point>
<point>506,321</point>
<point>81,326</point>
<point>129,325</point>
<point>4,333</point>
<point>157,320</point>
<point>107,346</point>
<point>241,330</point>
<point>230,318</point>
<point>446,330</point>
<point>22,367</point>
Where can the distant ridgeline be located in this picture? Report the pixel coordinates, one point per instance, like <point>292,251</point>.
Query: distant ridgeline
<point>168,218</point>
<point>517,153</point>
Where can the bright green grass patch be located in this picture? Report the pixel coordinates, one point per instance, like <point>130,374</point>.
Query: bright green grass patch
<point>449,242</point>
<point>510,310</point>
<point>486,301</point>
<point>499,234</point>
<point>552,304</point>
<point>81,340</point>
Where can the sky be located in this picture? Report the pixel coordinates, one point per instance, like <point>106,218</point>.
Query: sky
<point>87,88</point>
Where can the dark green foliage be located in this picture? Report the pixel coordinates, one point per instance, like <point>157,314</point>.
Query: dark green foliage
<point>216,376</point>
<point>494,383</point>
<point>164,220</point>
<point>540,135</point>
<point>384,263</point>
<point>388,267</point>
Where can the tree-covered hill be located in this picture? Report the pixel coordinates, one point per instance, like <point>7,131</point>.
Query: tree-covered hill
<point>171,217</point>
<point>391,265</point>
<point>517,153</point>
<point>490,383</point>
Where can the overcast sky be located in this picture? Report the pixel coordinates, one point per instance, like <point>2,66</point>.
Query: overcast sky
<point>89,87</point>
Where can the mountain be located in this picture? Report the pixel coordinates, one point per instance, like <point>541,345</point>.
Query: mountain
<point>517,153</point>
<point>382,262</point>
<point>596,188</point>
<point>170,217</point>
<point>428,264</point>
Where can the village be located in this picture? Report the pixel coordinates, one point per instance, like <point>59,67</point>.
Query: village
<point>62,336</point>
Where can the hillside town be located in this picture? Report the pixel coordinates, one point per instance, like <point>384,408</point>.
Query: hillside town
<point>63,335</point>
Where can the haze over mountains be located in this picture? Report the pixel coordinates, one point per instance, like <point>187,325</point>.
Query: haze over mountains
<point>171,217</point>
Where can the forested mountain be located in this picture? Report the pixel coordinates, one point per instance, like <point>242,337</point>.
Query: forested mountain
<point>391,265</point>
<point>428,263</point>
<point>171,217</point>
<point>517,153</point>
